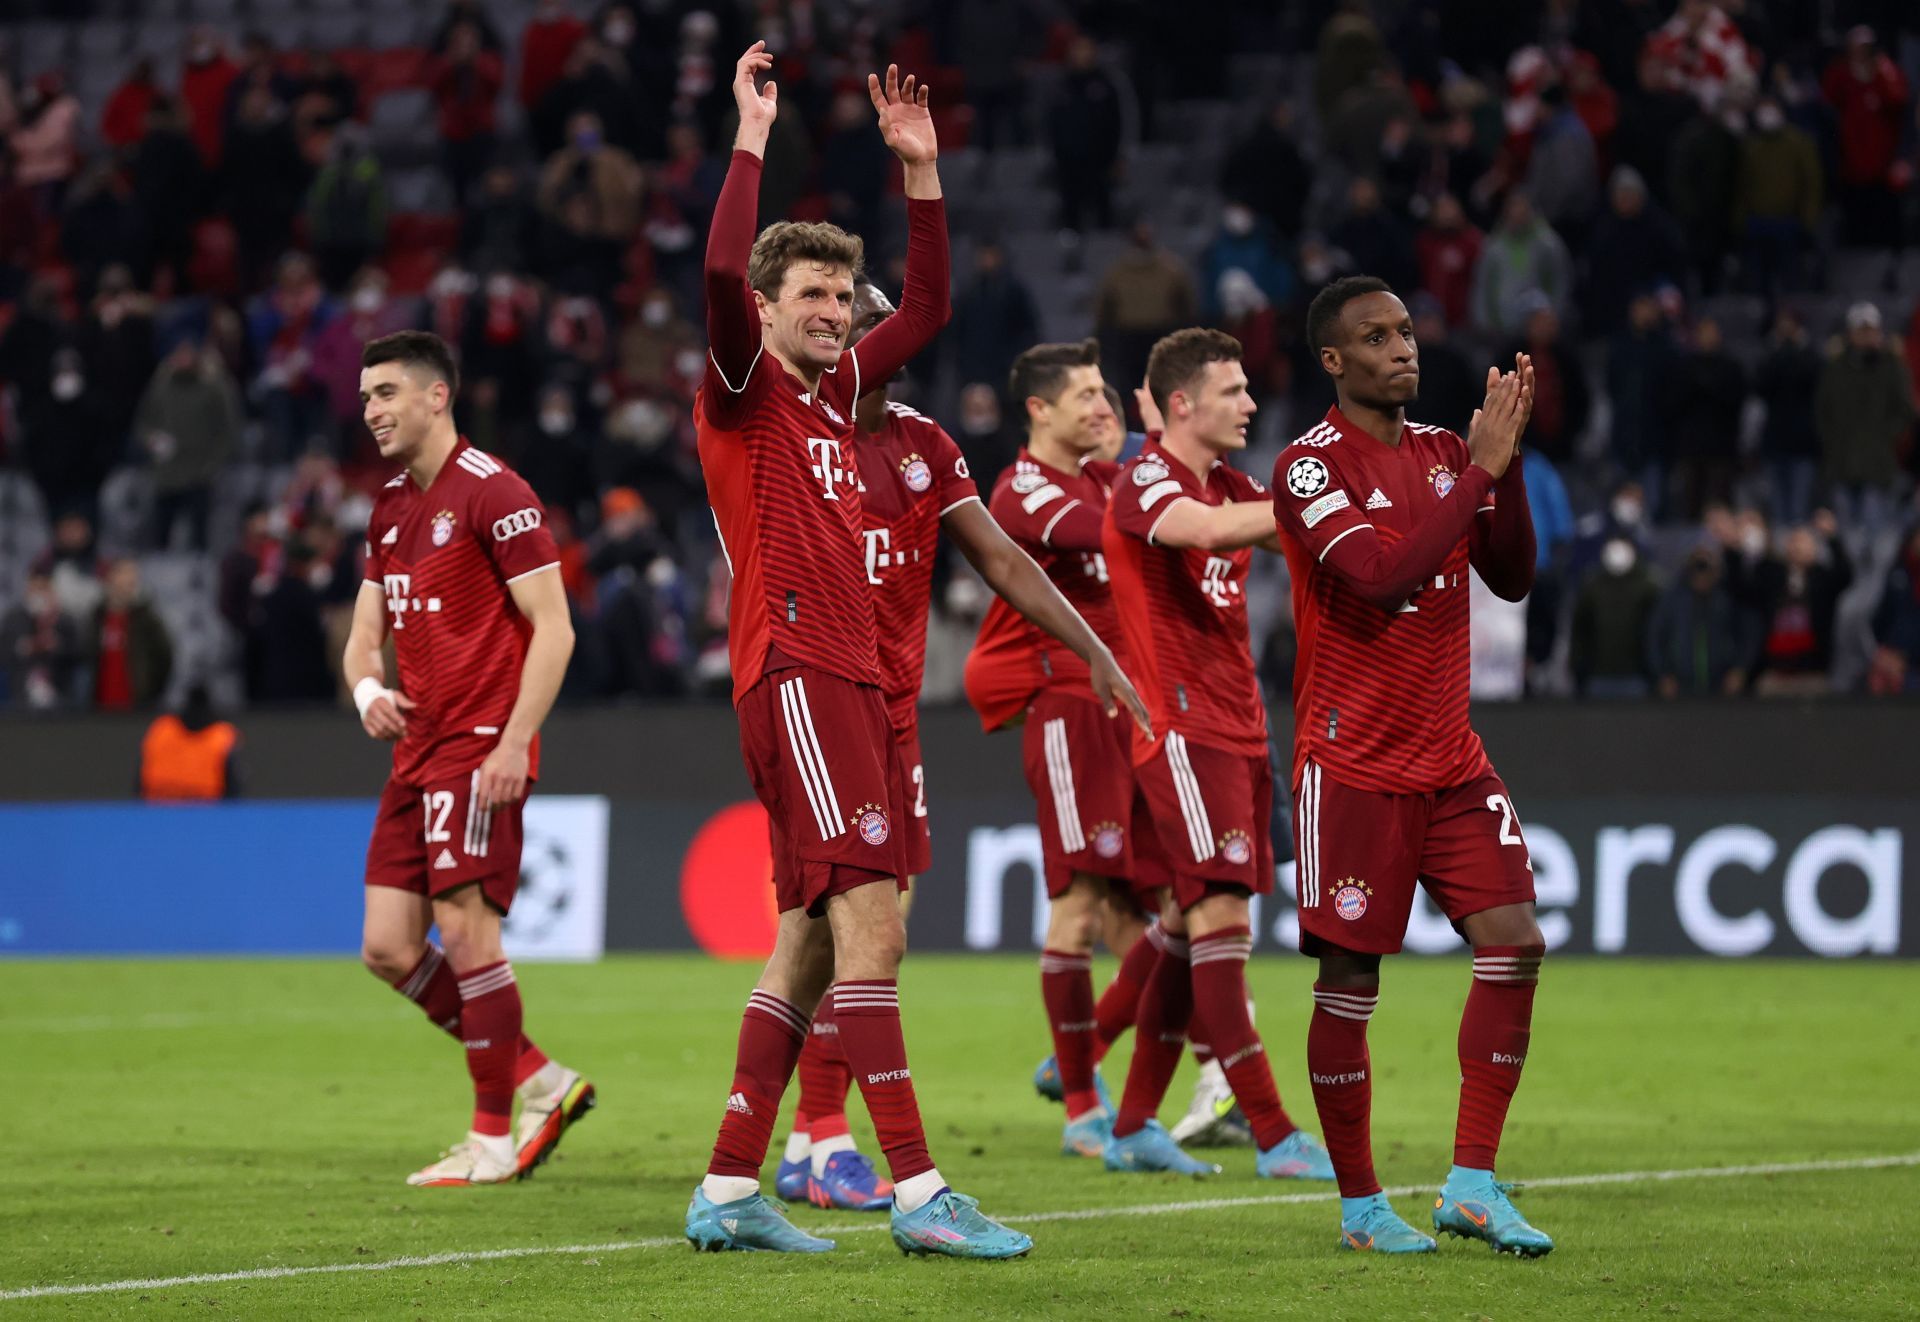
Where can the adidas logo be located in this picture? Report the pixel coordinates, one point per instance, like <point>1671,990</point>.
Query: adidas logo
<point>393,535</point>
<point>738,1102</point>
<point>1378,500</point>
<point>730,1224</point>
<point>445,860</point>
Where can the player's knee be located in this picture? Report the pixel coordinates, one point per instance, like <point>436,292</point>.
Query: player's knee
<point>386,959</point>
<point>877,952</point>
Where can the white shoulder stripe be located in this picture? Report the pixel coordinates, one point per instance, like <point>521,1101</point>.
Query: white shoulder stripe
<point>1158,492</point>
<point>743,380</point>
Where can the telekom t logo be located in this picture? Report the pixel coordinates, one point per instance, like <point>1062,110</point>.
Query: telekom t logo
<point>1220,589</point>
<point>827,465</point>
<point>879,544</point>
<point>399,588</point>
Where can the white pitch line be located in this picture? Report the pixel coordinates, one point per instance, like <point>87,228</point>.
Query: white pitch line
<point>871,1226</point>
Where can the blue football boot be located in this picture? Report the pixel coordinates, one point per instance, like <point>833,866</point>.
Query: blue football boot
<point>790,1182</point>
<point>1151,1148</point>
<point>1298,1156</point>
<point>1046,1080</point>
<point>1474,1205</point>
<point>752,1223</point>
<point>850,1184</point>
<point>1088,1136</point>
<point>952,1225</point>
<point>1370,1225</point>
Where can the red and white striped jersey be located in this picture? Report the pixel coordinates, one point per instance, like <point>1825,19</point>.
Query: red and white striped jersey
<point>1184,610</point>
<point>444,557</point>
<point>1044,510</point>
<point>1379,697</point>
<point>911,475</point>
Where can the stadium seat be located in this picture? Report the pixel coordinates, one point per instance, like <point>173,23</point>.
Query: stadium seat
<point>400,119</point>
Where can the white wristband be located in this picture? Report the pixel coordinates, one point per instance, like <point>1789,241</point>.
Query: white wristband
<point>367,692</point>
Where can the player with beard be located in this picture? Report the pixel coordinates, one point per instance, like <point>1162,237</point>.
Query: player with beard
<point>1381,519</point>
<point>914,485</point>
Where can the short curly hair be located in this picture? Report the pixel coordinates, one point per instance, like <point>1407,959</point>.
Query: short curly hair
<point>785,242</point>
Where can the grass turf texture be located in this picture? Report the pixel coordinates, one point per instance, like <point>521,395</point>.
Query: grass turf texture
<point>183,1117</point>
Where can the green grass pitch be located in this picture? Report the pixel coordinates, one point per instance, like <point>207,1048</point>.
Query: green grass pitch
<point>176,1118</point>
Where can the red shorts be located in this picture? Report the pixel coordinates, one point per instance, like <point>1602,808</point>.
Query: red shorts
<point>1361,853</point>
<point>1078,765</point>
<point>431,839</point>
<point>822,759</point>
<point>1212,809</point>
<point>913,795</point>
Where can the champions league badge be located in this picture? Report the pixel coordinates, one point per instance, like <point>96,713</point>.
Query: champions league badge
<point>1028,483</point>
<point>915,473</point>
<point>1235,848</point>
<point>1350,901</point>
<point>1306,477</point>
<point>1442,479</point>
<point>1108,839</point>
<point>443,527</point>
<point>871,822</point>
<point>1147,472</point>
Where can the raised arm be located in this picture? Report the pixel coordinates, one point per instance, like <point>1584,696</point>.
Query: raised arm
<point>926,300</point>
<point>1502,547</point>
<point>733,329</point>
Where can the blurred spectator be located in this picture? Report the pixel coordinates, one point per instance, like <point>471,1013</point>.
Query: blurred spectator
<point>19,229</point>
<point>500,339</point>
<point>1497,645</point>
<point>466,14</point>
<point>370,311</point>
<point>102,226</point>
<point>499,226</point>
<point>466,84</point>
<point>1085,123</point>
<point>1625,517</point>
<point>1376,239</point>
<point>1635,247</point>
<point>1563,170</point>
<point>73,564</point>
<point>259,67</point>
<point>594,80</point>
<point>189,424</point>
<point>265,178</point>
<point>653,345</point>
<point>1788,382</point>
<point>855,164</point>
<point>994,319</point>
<point>983,434</point>
<point>1896,624</point>
<point>1266,171</point>
<point>42,129</point>
<point>39,647</point>
<point>347,208</point>
<point>190,755</point>
<point>1863,408</point>
<point>1451,388</point>
<point>1703,175</point>
<point>169,187</point>
<point>1650,122</point>
<point>1561,396</point>
<point>124,117</point>
<point>286,639</point>
<point>589,198</point>
<point>1595,102</point>
<point>116,342</point>
<point>324,95</point>
<point>991,40</point>
<point>257,548</point>
<point>1641,362</point>
<point>1553,533</point>
<point>1611,624</point>
<point>1448,250</point>
<point>642,632</point>
<point>555,454</point>
<point>701,73</point>
<point>1707,391</point>
<point>1145,294</point>
<point>1246,314</point>
<point>1704,49</point>
<point>283,326</point>
<point>205,76</point>
<point>1347,53</point>
<point>1245,243</point>
<point>1522,255</point>
<point>68,436</point>
<point>1701,641</point>
<point>131,651</point>
<point>1778,200</point>
<point>1869,94</point>
<point>545,44</point>
<point>1798,589</point>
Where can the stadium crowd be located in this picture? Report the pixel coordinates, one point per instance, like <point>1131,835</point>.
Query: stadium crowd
<point>1695,218</point>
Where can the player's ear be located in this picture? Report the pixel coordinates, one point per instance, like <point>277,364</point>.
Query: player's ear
<point>762,307</point>
<point>1330,360</point>
<point>1036,409</point>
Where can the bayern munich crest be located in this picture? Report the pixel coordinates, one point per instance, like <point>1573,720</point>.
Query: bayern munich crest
<point>1235,848</point>
<point>1108,839</point>
<point>443,527</point>
<point>1350,901</point>
<point>915,473</point>
<point>871,822</point>
<point>1442,479</point>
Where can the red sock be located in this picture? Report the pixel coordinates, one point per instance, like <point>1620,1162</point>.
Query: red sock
<point>824,1077</point>
<point>490,1030</point>
<point>1066,985</point>
<point>1120,1002</point>
<point>771,1033</point>
<point>1494,1032</point>
<point>869,1015</point>
<point>1343,1082</point>
<point>1166,1003</point>
<point>1220,1001</point>
<point>433,988</point>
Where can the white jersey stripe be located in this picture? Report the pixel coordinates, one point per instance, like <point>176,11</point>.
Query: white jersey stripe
<point>802,762</point>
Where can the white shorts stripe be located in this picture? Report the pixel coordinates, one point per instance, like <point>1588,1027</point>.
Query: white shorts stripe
<point>1310,837</point>
<point>1066,805</point>
<point>827,796</point>
<point>473,811</point>
<point>826,821</point>
<point>1192,807</point>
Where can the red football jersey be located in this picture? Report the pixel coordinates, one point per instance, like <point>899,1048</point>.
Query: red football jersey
<point>444,557</point>
<point>1183,610</point>
<point>1379,698</point>
<point>911,474</point>
<point>1011,659</point>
